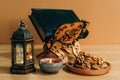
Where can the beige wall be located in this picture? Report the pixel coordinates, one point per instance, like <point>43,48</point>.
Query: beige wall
<point>104,16</point>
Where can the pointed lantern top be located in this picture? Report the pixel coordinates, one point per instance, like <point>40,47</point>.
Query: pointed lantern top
<point>22,34</point>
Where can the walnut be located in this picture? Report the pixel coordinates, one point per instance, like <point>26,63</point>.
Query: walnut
<point>96,67</point>
<point>86,65</point>
<point>104,65</point>
<point>77,65</point>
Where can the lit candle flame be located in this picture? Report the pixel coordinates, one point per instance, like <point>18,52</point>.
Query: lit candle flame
<point>50,61</point>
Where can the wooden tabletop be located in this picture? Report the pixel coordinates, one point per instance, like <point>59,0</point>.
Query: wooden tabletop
<point>110,52</point>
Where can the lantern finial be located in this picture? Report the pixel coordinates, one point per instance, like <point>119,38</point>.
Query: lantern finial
<point>22,25</point>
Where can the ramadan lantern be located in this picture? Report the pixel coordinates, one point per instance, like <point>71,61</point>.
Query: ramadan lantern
<point>22,51</point>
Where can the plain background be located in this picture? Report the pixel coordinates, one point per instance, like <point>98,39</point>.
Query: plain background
<point>103,15</point>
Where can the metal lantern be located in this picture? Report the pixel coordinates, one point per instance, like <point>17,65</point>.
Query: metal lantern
<point>22,44</point>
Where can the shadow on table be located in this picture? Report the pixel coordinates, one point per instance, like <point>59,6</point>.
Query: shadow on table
<point>66,70</point>
<point>4,70</point>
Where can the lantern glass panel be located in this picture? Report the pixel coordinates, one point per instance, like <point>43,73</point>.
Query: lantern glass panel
<point>29,52</point>
<point>19,54</point>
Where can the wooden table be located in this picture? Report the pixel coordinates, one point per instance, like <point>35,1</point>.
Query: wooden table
<point>110,52</point>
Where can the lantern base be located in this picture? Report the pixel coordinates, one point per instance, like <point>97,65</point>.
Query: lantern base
<point>23,70</point>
